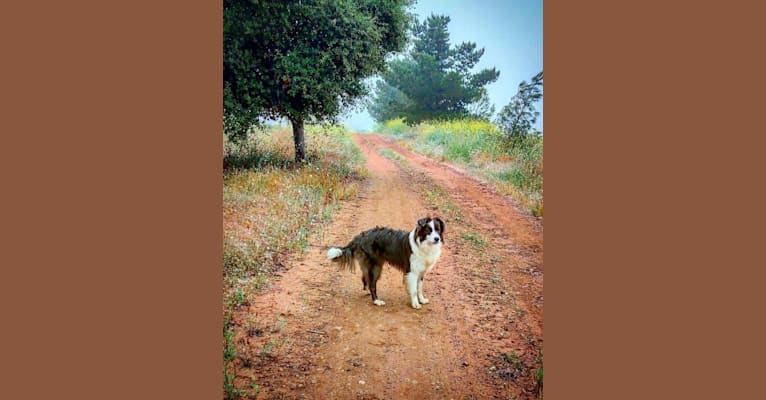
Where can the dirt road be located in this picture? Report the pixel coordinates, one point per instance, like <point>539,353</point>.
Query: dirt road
<point>315,334</point>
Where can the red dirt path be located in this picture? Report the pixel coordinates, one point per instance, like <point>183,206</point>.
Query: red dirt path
<point>317,335</point>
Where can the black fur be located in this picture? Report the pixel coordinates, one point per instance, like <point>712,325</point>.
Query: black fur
<point>377,246</point>
<point>373,248</point>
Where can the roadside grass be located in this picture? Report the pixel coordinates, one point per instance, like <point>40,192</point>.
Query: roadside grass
<point>270,207</point>
<point>515,169</point>
<point>477,242</point>
<point>229,353</point>
<point>539,375</point>
<point>513,367</point>
<point>390,154</point>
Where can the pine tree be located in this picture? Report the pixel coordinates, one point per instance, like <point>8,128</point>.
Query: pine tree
<point>434,77</point>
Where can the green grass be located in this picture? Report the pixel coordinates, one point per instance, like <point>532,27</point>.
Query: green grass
<point>539,374</point>
<point>269,347</point>
<point>229,353</point>
<point>514,168</point>
<point>229,350</point>
<point>238,297</point>
<point>513,366</point>
<point>476,241</point>
<point>230,392</point>
<point>272,344</point>
<point>539,377</point>
<point>390,154</point>
<point>280,324</point>
<point>513,359</point>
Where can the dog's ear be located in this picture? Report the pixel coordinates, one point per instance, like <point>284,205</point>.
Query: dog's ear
<point>423,221</point>
<point>441,225</point>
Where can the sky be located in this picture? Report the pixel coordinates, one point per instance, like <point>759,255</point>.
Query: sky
<point>511,32</point>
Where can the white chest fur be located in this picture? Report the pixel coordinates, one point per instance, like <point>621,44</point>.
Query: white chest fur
<point>424,255</point>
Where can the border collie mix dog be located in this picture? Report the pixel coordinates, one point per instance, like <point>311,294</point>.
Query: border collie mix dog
<point>414,253</point>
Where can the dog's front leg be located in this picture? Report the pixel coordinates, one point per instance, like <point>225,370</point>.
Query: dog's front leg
<point>421,298</point>
<point>412,288</point>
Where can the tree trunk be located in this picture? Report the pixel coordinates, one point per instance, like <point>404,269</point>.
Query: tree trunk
<point>300,143</point>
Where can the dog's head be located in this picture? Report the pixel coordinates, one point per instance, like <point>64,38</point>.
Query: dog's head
<point>429,231</point>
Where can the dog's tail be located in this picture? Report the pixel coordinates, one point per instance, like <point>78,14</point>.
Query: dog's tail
<point>343,256</point>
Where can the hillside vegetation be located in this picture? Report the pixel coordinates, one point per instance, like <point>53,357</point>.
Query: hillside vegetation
<point>514,167</point>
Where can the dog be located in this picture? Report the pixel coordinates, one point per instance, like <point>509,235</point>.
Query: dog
<point>414,253</point>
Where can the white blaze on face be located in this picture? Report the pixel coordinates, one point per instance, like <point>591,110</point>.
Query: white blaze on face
<point>433,237</point>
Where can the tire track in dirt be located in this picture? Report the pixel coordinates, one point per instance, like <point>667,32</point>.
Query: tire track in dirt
<point>314,334</point>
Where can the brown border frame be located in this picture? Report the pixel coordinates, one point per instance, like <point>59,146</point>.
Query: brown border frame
<point>111,158</point>
<point>112,199</point>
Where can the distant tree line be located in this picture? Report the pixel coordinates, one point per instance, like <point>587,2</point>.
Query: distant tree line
<point>434,81</point>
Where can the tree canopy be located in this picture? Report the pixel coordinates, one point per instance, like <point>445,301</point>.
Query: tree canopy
<point>304,60</point>
<point>434,80</point>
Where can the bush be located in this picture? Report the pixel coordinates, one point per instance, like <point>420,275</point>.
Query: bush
<point>397,128</point>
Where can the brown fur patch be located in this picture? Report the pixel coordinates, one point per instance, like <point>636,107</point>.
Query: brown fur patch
<point>439,227</point>
<point>423,228</point>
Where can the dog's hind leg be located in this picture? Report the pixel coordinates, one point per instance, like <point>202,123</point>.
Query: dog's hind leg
<point>375,271</point>
<point>364,265</point>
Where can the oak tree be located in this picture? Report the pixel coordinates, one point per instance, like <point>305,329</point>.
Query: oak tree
<point>304,60</point>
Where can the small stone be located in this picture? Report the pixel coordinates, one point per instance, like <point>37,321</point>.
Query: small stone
<point>361,382</point>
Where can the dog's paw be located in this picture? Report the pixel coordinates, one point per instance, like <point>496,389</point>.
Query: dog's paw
<point>416,306</point>
<point>423,300</point>
<point>379,302</point>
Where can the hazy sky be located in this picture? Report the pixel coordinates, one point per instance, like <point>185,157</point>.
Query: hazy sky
<point>511,32</point>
